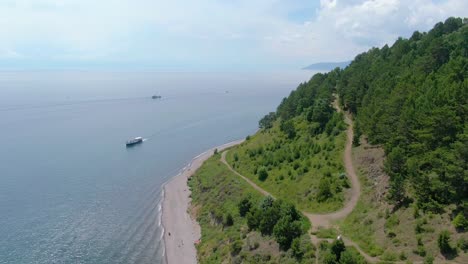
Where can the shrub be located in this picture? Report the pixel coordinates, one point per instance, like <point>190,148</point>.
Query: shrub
<point>228,220</point>
<point>236,157</point>
<point>256,245</point>
<point>403,256</point>
<point>392,221</point>
<point>236,247</point>
<point>337,247</point>
<point>416,211</point>
<point>262,174</point>
<point>296,249</point>
<point>462,243</point>
<point>460,222</point>
<point>428,260</point>
<point>288,128</point>
<point>296,165</point>
<point>391,234</point>
<point>421,251</point>
<point>285,231</point>
<point>419,227</point>
<point>253,218</point>
<point>444,242</point>
<point>324,191</point>
<point>347,257</point>
<point>267,202</point>
<point>215,151</point>
<point>251,245</point>
<point>419,239</point>
<point>329,258</point>
<point>389,256</point>
<point>244,206</point>
<point>269,218</point>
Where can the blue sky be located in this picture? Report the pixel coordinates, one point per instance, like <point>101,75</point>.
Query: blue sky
<point>205,35</point>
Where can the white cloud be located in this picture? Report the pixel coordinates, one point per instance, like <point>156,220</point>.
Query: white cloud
<point>210,32</point>
<point>343,28</point>
<point>328,3</point>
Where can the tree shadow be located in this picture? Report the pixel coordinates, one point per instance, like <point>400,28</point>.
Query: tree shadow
<point>451,254</point>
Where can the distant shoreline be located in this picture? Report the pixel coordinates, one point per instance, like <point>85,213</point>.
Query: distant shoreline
<point>180,230</point>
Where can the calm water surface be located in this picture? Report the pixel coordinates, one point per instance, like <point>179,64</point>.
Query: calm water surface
<point>70,192</point>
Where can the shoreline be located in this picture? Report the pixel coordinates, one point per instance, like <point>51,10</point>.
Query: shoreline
<point>180,231</point>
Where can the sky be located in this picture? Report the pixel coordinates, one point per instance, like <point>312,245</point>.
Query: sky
<point>205,35</point>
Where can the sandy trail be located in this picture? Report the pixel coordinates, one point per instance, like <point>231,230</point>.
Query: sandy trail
<point>181,231</point>
<point>325,220</point>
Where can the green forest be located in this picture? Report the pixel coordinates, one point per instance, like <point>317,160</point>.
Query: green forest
<point>412,99</point>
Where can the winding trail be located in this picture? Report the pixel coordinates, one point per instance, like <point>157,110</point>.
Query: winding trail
<point>326,220</point>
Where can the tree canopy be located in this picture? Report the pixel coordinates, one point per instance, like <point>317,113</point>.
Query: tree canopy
<point>411,98</point>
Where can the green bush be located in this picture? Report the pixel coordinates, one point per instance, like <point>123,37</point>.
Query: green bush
<point>421,251</point>
<point>392,221</point>
<point>337,247</point>
<point>402,256</point>
<point>324,191</point>
<point>347,257</point>
<point>262,174</point>
<point>244,206</point>
<point>419,228</point>
<point>389,256</point>
<point>286,230</point>
<point>228,220</point>
<point>253,218</point>
<point>462,244</point>
<point>276,217</point>
<point>296,249</point>
<point>444,242</point>
<point>460,221</point>
<point>288,128</point>
<point>236,247</point>
<point>268,220</point>
<point>329,258</point>
<point>428,260</point>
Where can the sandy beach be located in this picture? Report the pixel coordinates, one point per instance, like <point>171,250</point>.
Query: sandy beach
<point>181,231</point>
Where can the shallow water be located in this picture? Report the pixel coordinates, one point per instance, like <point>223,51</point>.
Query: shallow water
<point>71,192</point>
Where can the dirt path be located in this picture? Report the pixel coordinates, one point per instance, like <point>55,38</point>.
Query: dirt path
<point>326,220</point>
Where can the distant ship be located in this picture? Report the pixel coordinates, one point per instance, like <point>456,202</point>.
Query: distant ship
<point>134,141</point>
<point>156,97</point>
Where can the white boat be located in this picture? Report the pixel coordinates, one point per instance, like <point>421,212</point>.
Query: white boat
<point>134,141</point>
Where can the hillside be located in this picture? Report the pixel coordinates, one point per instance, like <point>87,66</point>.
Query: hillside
<point>409,103</point>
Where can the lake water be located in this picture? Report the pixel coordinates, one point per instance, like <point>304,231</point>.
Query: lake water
<point>71,192</point>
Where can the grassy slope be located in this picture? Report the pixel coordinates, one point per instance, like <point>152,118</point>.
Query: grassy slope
<point>296,166</point>
<point>216,192</point>
<point>392,235</point>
